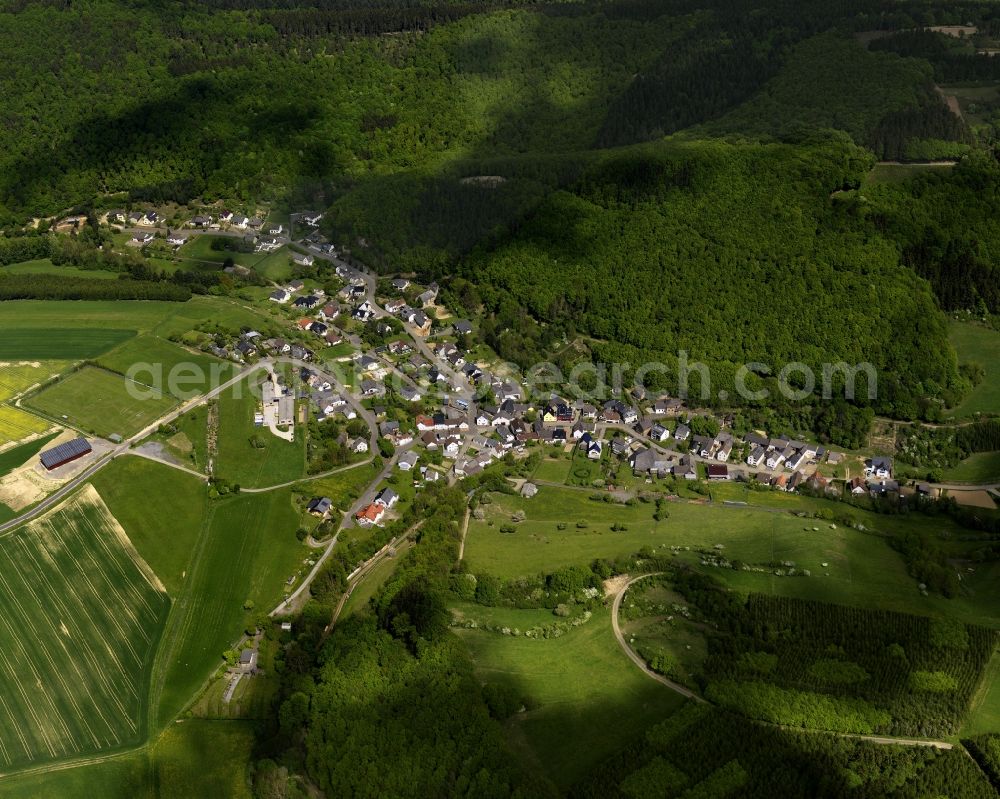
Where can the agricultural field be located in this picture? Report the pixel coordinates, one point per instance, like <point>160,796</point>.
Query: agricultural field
<point>100,402</point>
<point>847,565</point>
<point>171,368</point>
<point>581,681</point>
<point>194,759</point>
<point>82,618</point>
<point>979,344</point>
<point>17,456</point>
<point>16,424</point>
<point>246,554</point>
<point>42,329</point>
<point>276,461</point>
<point>160,508</point>
<point>18,376</point>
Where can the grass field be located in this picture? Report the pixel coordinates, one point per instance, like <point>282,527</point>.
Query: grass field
<point>190,442</point>
<point>81,620</point>
<point>167,366</point>
<point>900,173</point>
<point>160,508</point>
<point>44,266</point>
<point>99,402</point>
<point>553,470</point>
<point>247,552</point>
<point>861,568</point>
<point>982,345</point>
<point>983,467</point>
<point>279,461</point>
<point>17,376</point>
<point>276,266</point>
<point>16,424</point>
<point>585,699</point>
<point>194,759</point>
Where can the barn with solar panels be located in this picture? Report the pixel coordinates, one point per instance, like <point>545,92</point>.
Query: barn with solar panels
<point>64,453</point>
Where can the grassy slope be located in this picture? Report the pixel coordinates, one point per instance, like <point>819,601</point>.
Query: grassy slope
<point>861,569</point>
<point>586,700</point>
<point>985,714</point>
<point>101,402</point>
<point>983,467</point>
<point>981,345</point>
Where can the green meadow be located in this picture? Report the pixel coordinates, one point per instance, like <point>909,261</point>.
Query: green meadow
<point>44,266</point>
<point>979,344</point>
<point>584,699</point>
<point>861,568</point>
<point>161,509</point>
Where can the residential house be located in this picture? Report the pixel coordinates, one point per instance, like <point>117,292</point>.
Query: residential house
<point>280,296</point>
<point>463,327</point>
<point>756,456</point>
<point>659,433</point>
<point>370,515</point>
<point>879,467</point>
<point>386,498</point>
<point>303,260</point>
<point>682,433</point>
<point>407,461</point>
<point>319,506</point>
<point>176,239</point>
<point>718,471</point>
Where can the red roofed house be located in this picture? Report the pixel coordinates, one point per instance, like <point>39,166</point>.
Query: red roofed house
<point>370,515</point>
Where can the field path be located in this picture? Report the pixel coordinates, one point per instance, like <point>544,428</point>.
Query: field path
<point>673,686</point>
<point>887,740</point>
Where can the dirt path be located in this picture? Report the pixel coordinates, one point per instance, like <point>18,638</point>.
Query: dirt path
<point>616,605</point>
<point>465,532</point>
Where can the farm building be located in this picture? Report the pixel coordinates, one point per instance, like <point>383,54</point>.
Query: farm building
<point>64,453</point>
